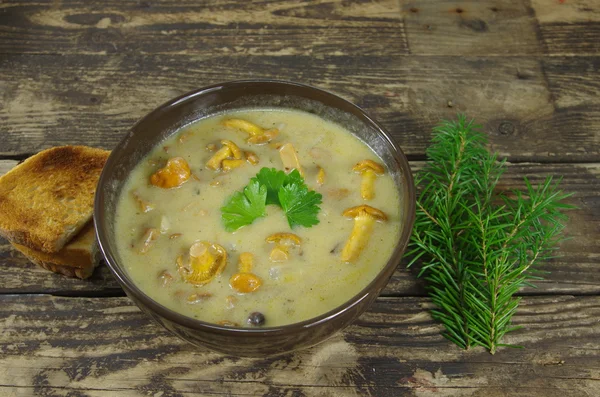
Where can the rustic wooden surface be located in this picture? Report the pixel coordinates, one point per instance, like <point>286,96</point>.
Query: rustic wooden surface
<point>76,71</point>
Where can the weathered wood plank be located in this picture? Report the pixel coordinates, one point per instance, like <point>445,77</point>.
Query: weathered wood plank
<point>7,165</point>
<point>494,27</point>
<point>220,28</point>
<point>76,346</point>
<point>286,27</point>
<point>568,27</point>
<point>528,107</point>
<point>575,272</point>
<point>573,82</point>
<point>488,27</point>
<point>19,275</point>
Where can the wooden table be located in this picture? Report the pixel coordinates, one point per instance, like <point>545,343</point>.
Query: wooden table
<point>82,72</point>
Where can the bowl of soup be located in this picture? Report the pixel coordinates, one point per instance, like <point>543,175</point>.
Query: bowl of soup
<point>255,217</point>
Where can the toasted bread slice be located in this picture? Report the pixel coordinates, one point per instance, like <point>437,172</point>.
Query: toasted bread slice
<point>48,198</point>
<point>78,258</point>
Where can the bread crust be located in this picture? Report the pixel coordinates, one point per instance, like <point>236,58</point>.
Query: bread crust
<point>47,199</point>
<point>78,258</point>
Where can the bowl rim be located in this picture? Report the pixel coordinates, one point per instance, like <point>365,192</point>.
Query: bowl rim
<point>381,278</point>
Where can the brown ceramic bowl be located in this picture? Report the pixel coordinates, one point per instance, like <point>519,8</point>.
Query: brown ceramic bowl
<point>169,118</point>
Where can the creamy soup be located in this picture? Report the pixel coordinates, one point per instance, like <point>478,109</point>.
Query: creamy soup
<point>172,238</point>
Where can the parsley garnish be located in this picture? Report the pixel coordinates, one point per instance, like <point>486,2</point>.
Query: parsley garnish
<point>271,186</point>
<point>245,207</point>
<point>274,180</point>
<point>300,204</point>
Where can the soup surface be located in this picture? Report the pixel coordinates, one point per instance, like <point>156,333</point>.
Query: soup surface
<point>288,279</point>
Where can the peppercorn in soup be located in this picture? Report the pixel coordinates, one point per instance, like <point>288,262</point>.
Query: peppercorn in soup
<point>261,217</point>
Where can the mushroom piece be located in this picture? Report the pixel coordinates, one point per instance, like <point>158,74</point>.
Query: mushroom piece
<point>215,161</point>
<point>369,170</point>
<point>206,261</point>
<point>165,225</point>
<point>150,236</point>
<point>164,278</point>
<point>265,137</point>
<point>184,137</point>
<point>283,243</point>
<point>246,262</point>
<point>289,158</point>
<point>338,194</point>
<point>173,174</point>
<point>251,157</point>
<point>318,153</point>
<point>229,164</point>
<point>236,153</point>
<point>320,176</point>
<point>228,157</point>
<point>230,301</point>
<point>144,205</point>
<point>211,147</point>
<point>364,219</point>
<point>198,297</point>
<point>228,323</point>
<point>246,126</point>
<point>244,281</point>
<point>256,134</point>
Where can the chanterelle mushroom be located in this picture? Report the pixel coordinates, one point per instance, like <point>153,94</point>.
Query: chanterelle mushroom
<point>283,242</point>
<point>236,153</point>
<point>173,174</point>
<point>228,157</point>
<point>229,164</point>
<point>244,281</point>
<point>289,158</point>
<point>256,134</point>
<point>215,161</point>
<point>369,171</point>
<point>206,260</point>
<point>364,219</point>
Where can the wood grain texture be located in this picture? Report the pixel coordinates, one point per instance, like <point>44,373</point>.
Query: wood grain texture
<point>218,28</point>
<point>568,27</point>
<point>529,108</point>
<point>101,347</point>
<point>287,27</point>
<point>488,27</point>
<point>20,276</point>
<point>7,165</point>
<point>574,272</point>
<point>496,27</point>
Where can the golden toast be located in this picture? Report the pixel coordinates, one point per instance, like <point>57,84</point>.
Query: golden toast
<point>77,258</point>
<point>46,200</point>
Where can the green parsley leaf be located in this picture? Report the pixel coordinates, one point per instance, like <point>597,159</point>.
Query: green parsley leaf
<point>245,207</point>
<point>274,180</point>
<point>295,177</point>
<point>300,205</point>
<point>271,186</point>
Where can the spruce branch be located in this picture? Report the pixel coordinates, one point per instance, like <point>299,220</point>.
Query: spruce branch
<point>478,247</point>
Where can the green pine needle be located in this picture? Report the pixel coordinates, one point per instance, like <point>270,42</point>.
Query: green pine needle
<point>478,247</point>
